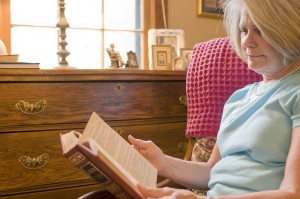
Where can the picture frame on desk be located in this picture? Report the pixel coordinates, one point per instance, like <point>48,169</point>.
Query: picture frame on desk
<point>178,63</point>
<point>173,37</point>
<point>162,57</point>
<point>186,54</point>
<point>209,8</point>
<point>132,60</point>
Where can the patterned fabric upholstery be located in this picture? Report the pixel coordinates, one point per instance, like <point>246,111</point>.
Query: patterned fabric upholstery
<point>203,148</point>
<point>214,73</point>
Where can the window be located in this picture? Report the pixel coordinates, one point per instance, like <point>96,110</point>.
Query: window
<point>94,25</point>
<point>151,17</point>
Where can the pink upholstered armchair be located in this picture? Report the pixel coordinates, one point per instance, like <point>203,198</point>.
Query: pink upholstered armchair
<point>214,73</point>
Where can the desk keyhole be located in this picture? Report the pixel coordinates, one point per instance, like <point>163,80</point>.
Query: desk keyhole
<point>119,87</point>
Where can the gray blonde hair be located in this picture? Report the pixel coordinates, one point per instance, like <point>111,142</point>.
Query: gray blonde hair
<point>277,20</point>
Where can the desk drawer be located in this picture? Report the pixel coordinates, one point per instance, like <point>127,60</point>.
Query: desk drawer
<point>51,170</point>
<point>54,169</point>
<point>49,103</point>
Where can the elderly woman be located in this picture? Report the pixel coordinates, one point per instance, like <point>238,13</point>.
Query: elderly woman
<point>257,154</point>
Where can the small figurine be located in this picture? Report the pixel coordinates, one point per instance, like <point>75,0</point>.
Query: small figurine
<point>115,57</point>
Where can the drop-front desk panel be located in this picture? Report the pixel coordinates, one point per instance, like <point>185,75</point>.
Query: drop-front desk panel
<point>37,105</point>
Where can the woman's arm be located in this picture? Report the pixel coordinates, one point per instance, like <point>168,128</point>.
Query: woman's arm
<point>186,173</point>
<point>191,174</point>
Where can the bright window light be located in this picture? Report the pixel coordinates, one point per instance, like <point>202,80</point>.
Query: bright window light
<point>94,25</point>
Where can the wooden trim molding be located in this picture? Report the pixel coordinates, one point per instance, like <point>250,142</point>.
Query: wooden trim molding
<point>1,18</point>
<point>153,18</point>
<point>157,18</point>
<point>5,24</point>
<point>29,75</point>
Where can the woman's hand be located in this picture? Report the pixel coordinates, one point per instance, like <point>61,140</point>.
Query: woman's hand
<point>167,192</point>
<point>151,152</point>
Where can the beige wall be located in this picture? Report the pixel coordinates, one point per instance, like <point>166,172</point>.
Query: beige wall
<point>182,14</point>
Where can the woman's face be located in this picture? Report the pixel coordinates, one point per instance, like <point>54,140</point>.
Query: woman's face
<point>261,56</point>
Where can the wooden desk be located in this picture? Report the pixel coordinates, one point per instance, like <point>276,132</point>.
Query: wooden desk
<point>38,105</point>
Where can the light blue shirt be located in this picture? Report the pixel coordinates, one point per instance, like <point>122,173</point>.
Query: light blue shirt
<point>254,137</point>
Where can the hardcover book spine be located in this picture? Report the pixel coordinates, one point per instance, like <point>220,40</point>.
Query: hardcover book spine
<point>82,162</point>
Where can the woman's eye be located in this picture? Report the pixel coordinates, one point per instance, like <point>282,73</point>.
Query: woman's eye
<point>257,31</point>
<point>243,30</point>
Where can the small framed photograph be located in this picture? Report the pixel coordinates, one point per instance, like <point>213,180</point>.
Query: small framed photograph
<point>132,60</point>
<point>178,63</point>
<point>209,8</point>
<point>162,57</point>
<point>172,37</point>
<point>186,54</point>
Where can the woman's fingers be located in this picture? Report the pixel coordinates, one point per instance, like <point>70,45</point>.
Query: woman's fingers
<point>155,192</point>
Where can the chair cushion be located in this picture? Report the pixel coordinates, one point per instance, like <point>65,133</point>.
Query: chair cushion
<point>203,148</point>
<point>214,73</point>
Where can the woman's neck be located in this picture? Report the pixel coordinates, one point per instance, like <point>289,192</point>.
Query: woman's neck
<point>282,73</point>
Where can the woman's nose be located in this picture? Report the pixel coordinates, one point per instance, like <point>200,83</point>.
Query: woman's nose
<point>248,40</point>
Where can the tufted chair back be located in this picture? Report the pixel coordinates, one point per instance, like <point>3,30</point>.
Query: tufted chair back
<point>214,73</point>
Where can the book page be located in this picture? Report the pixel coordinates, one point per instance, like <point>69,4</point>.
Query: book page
<point>69,140</point>
<point>120,150</point>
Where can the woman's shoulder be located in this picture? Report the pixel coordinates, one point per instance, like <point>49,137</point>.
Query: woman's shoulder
<point>292,82</point>
<point>242,92</point>
<point>245,89</point>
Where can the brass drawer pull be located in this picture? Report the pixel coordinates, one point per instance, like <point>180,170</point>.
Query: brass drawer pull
<point>182,146</point>
<point>183,100</point>
<point>34,162</point>
<point>119,131</point>
<point>31,108</point>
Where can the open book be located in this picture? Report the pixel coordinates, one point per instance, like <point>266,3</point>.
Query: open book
<point>108,158</point>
